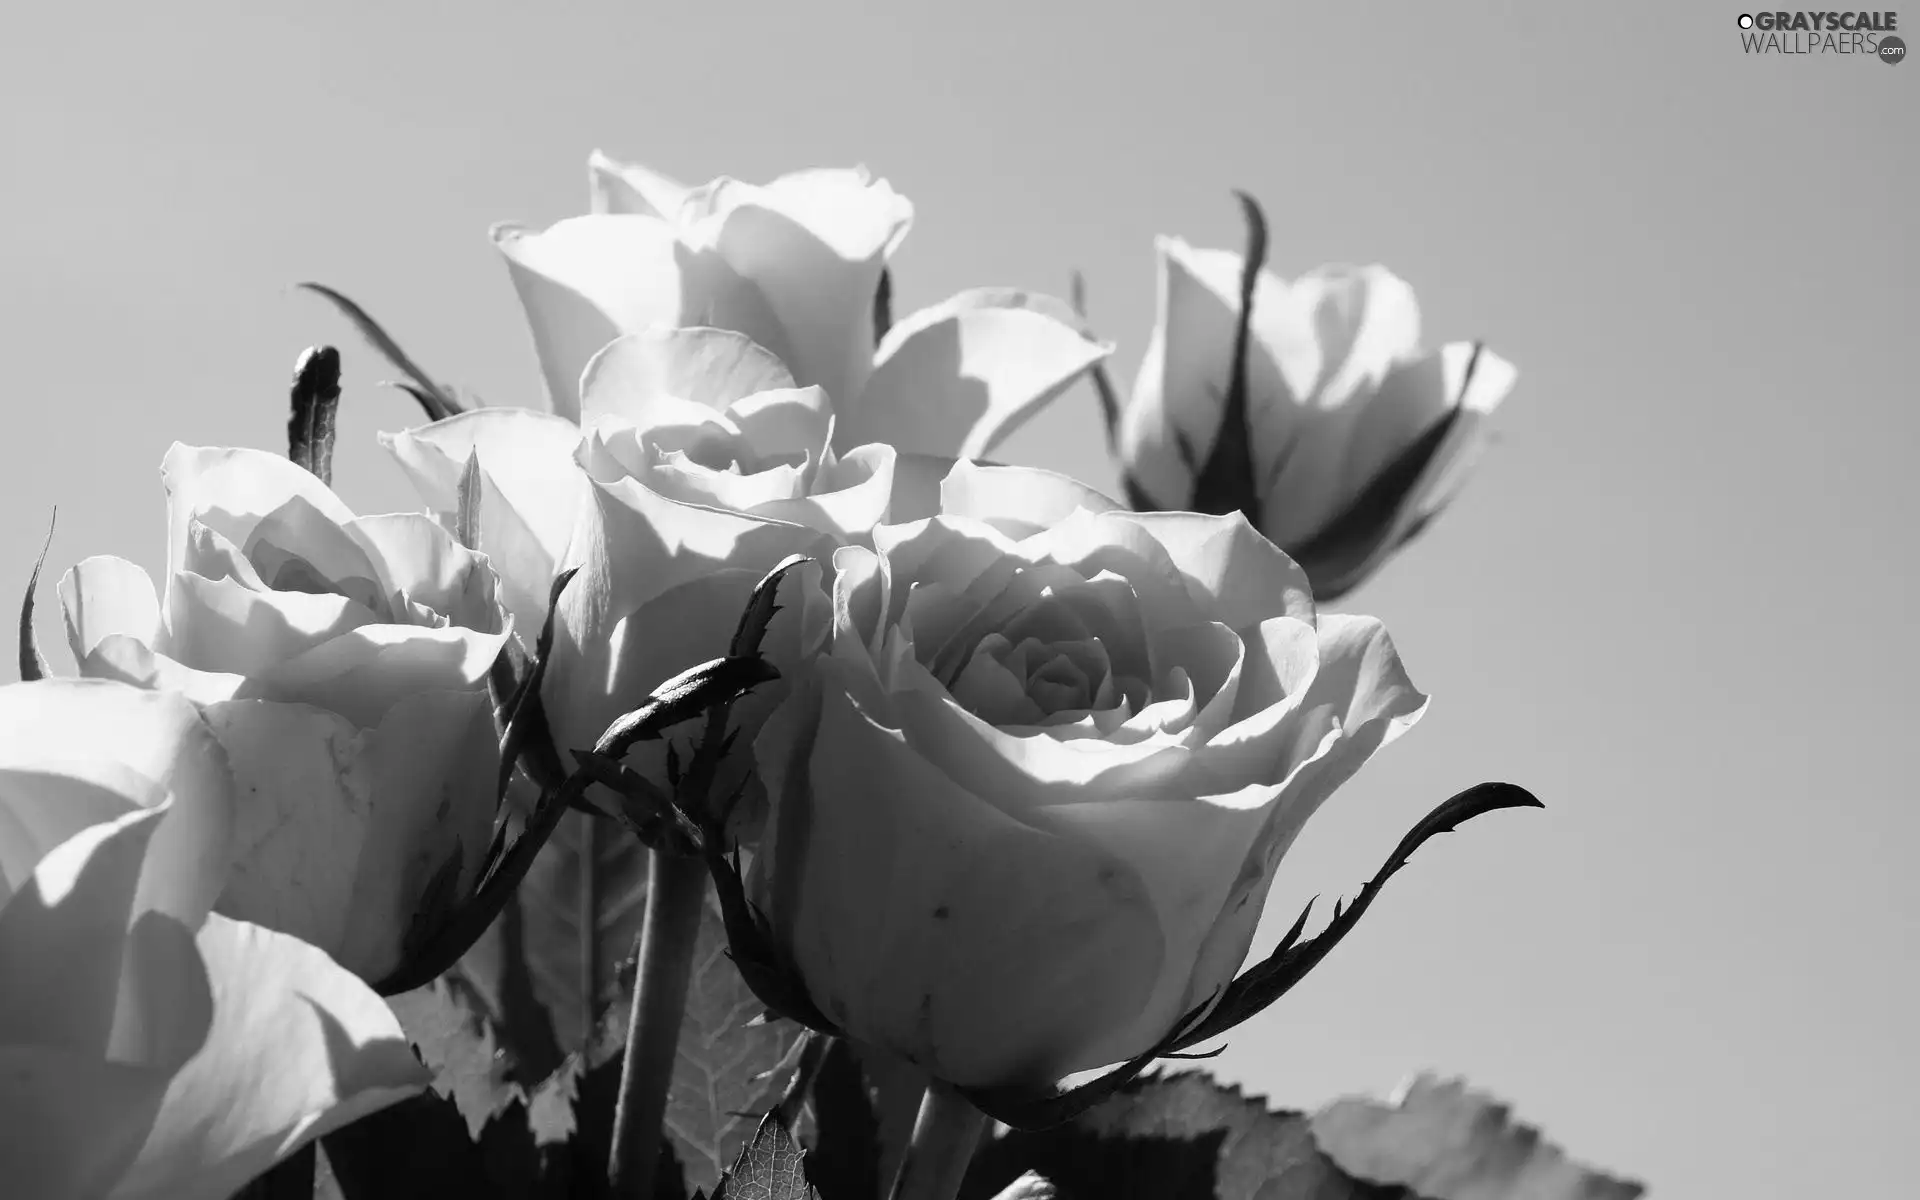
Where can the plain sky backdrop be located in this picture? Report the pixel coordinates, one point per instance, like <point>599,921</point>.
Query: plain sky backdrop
<point>1676,600</point>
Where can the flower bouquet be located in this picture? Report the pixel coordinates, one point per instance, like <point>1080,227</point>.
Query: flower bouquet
<point>733,781</point>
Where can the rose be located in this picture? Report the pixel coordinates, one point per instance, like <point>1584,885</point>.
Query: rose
<point>148,1048</point>
<point>342,662</point>
<point>795,265</point>
<point>701,466</point>
<point>1357,437</point>
<point>1026,808</point>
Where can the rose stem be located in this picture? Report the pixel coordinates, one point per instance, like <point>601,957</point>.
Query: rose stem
<point>676,888</point>
<point>945,1135</point>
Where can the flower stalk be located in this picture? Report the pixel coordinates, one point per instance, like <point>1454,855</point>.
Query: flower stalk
<point>945,1135</point>
<point>676,888</point>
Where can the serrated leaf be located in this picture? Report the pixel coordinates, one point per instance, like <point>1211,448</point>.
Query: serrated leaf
<point>1173,1137</point>
<point>33,664</point>
<point>1448,1142</point>
<point>770,1167</point>
<point>561,957</point>
<point>727,1072</point>
<point>452,1034</point>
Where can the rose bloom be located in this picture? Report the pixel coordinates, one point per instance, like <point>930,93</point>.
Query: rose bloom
<point>1026,807</point>
<point>700,467</point>
<point>148,1048</point>
<point>1358,436</point>
<point>795,265</point>
<point>342,662</point>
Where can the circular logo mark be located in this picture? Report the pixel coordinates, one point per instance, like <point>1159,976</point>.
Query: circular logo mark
<point>1892,49</point>
<point>1746,20</point>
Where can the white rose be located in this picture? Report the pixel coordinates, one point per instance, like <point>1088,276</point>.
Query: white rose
<point>1358,437</point>
<point>1026,807</point>
<point>794,265</point>
<point>342,661</point>
<point>148,1049</point>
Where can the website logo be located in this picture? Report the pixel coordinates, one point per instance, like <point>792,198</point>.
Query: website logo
<point>1866,35</point>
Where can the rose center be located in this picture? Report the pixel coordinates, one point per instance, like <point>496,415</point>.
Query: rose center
<point>1033,682</point>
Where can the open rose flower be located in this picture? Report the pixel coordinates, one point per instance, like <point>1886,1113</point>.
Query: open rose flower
<point>1357,436</point>
<point>795,265</point>
<point>148,1048</point>
<point>1026,810</point>
<point>342,662</point>
<point>701,466</point>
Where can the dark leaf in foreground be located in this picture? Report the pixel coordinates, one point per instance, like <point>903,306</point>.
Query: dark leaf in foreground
<point>1173,1137</point>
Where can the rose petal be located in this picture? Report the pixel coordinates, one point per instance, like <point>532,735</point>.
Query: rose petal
<point>239,481</point>
<point>79,752</point>
<point>711,367</point>
<point>341,829</point>
<point>123,660</point>
<point>74,1121</point>
<point>417,556</point>
<point>220,625</point>
<point>959,376</point>
<point>1233,574</point>
<point>531,490</point>
<point>815,243</point>
<point>783,422</point>
<point>105,595</point>
<point>929,974</point>
<point>620,187</point>
<point>298,1048</point>
<point>585,281</point>
<point>1018,501</point>
<point>1186,369</point>
<point>1187,851</point>
<point>365,672</point>
<point>79,1116</point>
<point>1089,543</point>
<point>69,924</point>
<point>849,495</point>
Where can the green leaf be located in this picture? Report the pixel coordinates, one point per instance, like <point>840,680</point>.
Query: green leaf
<point>33,664</point>
<point>437,401</point>
<point>1173,1137</point>
<point>314,399</point>
<point>727,1072</point>
<point>1447,1142</point>
<point>770,1167</point>
<point>561,956</point>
